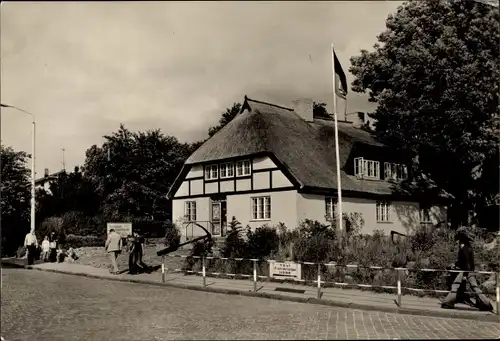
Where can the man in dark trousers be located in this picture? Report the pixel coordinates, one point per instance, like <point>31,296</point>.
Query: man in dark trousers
<point>132,254</point>
<point>465,262</point>
<point>31,245</point>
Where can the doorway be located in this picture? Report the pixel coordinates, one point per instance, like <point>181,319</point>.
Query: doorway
<point>219,217</point>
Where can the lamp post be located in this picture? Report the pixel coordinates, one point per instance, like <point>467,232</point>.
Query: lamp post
<point>32,161</point>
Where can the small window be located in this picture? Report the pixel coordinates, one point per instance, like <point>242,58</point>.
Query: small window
<point>330,208</point>
<point>366,168</point>
<point>211,172</point>
<point>425,216</point>
<point>358,166</point>
<point>395,171</point>
<point>383,212</point>
<point>261,208</point>
<point>190,210</point>
<point>243,168</point>
<point>226,170</point>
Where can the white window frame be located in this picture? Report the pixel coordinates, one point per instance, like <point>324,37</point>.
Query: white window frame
<point>371,169</point>
<point>211,172</point>
<point>226,170</point>
<point>243,168</point>
<point>383,212</point>
<point>330,208</point>
<point>425,212</point>
<point>190,210</point>
<point>366,168</point>
<point>395,171</point>
<point>358,166</point>
<point>261,208</point>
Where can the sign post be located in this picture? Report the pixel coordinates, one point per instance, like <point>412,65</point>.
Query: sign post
<point>285,270</point>
<point>123,229</point>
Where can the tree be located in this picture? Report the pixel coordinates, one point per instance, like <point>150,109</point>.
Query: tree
<point>319,110</point>
<point>434,76</point>
<point>69,192</point>
<point>227,116</point>
<point>132,172</point>
<point>15,200</point>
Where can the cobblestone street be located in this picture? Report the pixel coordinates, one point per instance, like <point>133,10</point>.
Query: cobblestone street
<point>38,305</point>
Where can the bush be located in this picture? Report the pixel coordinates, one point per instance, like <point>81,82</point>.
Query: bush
<point>262,242</point>
<point>75,241</point>
<point>172,236</point>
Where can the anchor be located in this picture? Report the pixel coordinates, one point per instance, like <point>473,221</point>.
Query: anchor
<point>170,249</point>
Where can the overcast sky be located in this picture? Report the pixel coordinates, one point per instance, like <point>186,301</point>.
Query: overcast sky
<point>84,67</point>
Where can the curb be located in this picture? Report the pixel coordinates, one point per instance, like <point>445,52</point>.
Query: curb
<point>405,311</point>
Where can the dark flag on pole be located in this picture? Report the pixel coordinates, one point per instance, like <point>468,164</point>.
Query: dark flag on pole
<point>340,78</point>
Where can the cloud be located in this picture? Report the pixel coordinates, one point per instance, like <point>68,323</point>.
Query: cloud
<point>84,67</point>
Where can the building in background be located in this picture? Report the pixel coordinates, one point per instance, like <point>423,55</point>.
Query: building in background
<point>273,164</point>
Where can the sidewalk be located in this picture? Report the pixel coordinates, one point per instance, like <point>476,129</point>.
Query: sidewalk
<point>338,297</point>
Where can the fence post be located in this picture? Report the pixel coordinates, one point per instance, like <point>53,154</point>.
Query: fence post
<point>203,271</point>
<point>399,287</point>
<point>163,269</point>
<point>319,281</point>
<point>498,294</point>
<point>254,275</point>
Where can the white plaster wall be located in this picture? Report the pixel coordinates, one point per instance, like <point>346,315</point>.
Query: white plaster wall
<point>227,186</point>
<point>404,215</point>
<point>280,180</point>
<point>283,208</point>
<point>202,215</point>
<point>211,187</point>
<point>196,187</point>
<point>263,163</point>
<point>195,171</point>
<point>261,180</point>
<point>243,184</point>
<point>183,189</point>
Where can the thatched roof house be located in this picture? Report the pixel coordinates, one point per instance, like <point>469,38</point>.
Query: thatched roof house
<point>302,148</point>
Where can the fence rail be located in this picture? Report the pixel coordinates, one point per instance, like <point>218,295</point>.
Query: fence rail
<point>399,288</point>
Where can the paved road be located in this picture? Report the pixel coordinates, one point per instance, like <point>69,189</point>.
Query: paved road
<point>39,305</point>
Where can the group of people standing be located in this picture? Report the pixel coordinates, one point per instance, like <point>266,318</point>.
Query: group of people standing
<point>134,248</point>
<point>48,248</point>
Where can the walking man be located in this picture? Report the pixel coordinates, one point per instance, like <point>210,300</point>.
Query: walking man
<point>465,262</point>
<point>31,245</point>
<point>113,246</point>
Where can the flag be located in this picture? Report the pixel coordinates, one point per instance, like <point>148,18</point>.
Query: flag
<point>340,78</point>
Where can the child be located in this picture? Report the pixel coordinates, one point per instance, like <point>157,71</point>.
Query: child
<point>45,249</point>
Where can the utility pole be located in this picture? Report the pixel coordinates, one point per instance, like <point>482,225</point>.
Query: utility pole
<point>63,162</point>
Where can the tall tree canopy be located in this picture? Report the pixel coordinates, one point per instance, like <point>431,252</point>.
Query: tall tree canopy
<point>226,117</point>
<point>434,77</point>
<point>132,172</point>
<point>15,200</point>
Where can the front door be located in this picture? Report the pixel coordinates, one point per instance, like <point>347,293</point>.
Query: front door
<point>219,218</point>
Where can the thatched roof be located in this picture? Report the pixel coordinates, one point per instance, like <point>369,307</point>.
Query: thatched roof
<point>306,149</point>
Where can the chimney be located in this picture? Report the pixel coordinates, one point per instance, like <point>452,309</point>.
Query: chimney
<point>46,174</point>
<point>358,119</point>
<point>304,108</point>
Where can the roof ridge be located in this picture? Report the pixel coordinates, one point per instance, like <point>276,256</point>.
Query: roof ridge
<point>271,104</point>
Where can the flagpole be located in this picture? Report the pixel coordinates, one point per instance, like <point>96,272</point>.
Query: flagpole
<point>345,108</point>
<point>339,188</point>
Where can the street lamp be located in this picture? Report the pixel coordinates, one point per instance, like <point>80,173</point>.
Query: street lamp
<point>32,161</point>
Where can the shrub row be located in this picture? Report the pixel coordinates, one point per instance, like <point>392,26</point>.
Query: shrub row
<point>315,242</point>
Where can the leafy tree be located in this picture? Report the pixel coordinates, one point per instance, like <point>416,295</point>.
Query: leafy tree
<point>319,110</point>
<point>68,192</point>
<point>434,76</point>
<point>132,172</point>
<point>227,116</point>
<point>15,200</point>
